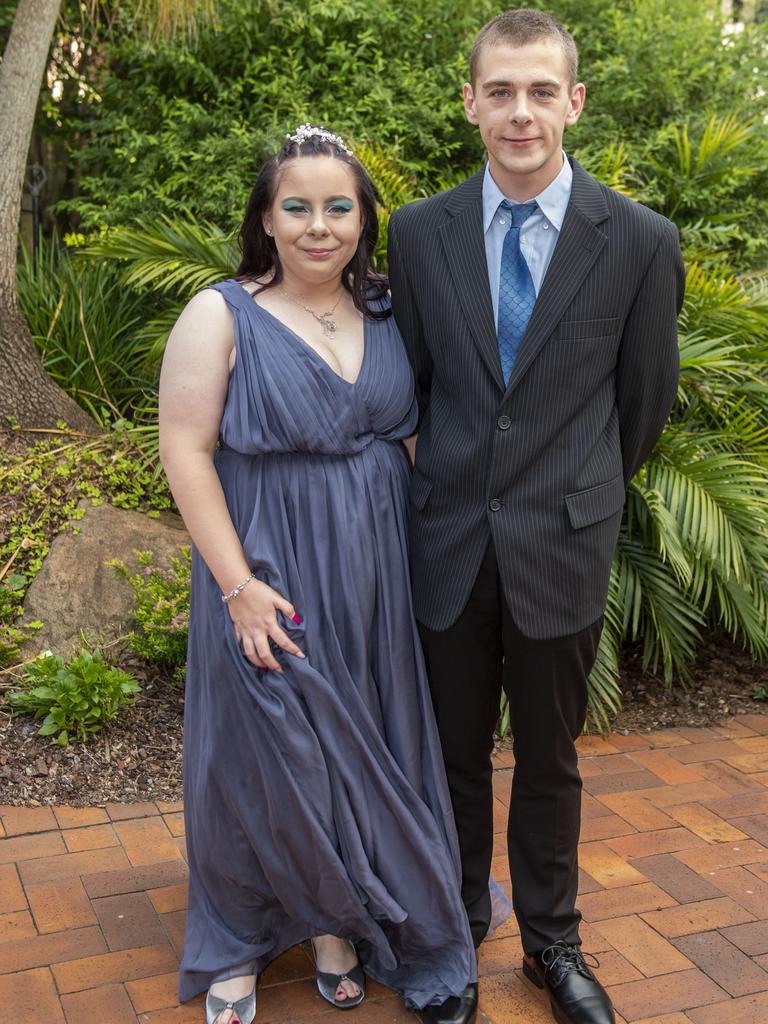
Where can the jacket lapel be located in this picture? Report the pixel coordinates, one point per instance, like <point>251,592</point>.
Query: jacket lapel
<point>577,248</point>
<point>464,247</point>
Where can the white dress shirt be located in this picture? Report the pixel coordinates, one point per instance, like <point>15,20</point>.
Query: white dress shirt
<point>538,236</point>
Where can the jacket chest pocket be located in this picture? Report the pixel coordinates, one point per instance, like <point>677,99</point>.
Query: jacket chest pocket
<point>587,330</point>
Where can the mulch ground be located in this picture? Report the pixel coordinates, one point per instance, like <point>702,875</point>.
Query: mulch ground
<point>723,681</point>
<point>138,757</point>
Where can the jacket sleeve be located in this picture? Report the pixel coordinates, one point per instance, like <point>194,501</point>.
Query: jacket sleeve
<point>649,358</point>
<point>408,318</point>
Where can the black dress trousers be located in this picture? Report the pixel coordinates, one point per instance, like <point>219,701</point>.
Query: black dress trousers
<point>546,683</point>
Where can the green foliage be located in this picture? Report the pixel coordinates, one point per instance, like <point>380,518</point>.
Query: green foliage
<point>74,699</point>
<point>688,99</point>
<point>185,135</point>
<point>41,488</point>
<point>709,178</point>
<point>88,328</point>
<point>172,258</point>
<point>693,552</point>
<point>171,255</point>
<point>188,131</point>
<point>161,609</point>
<point>13,635</point>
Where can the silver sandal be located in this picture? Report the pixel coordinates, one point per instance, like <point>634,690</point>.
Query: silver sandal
<point>245,1008</point>
<point>328,984</point>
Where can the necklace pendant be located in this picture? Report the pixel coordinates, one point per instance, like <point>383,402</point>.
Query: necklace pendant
<point>329,327</point>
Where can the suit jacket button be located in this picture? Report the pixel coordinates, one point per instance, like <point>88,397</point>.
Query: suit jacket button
<point>494,504</point>
<point>503,422</point>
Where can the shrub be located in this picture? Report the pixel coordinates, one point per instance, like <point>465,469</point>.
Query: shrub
<point>88,328</point>
<point>74,699</point>
<point>162,608</point>
<point>692,557</point>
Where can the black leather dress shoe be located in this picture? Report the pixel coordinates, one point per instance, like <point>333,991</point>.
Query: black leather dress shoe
<point>575,994</point>
<point>456,1010</point>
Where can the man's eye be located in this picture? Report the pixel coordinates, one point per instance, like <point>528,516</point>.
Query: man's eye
<point>500,94</point>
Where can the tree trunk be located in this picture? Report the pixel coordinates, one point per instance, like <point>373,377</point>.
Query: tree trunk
<point>27,393</point>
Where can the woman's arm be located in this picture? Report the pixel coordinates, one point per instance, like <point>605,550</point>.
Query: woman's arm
<point>193,389</point>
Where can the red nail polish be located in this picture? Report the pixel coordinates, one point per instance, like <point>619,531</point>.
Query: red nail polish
<point>297,619</point>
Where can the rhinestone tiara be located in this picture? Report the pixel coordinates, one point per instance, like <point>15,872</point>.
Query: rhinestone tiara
<point>312,131</point>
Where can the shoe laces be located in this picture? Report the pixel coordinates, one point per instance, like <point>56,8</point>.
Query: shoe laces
<point>560,959</point>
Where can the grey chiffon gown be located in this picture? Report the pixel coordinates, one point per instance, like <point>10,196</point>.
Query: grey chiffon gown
<point>315,798</point>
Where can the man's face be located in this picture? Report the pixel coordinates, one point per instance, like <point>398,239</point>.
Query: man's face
<point>522,100</point>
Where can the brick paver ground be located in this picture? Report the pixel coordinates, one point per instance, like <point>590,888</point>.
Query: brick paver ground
<point>674,893</point>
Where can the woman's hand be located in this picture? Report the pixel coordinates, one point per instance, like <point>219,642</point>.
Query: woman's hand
<point>254,614</point>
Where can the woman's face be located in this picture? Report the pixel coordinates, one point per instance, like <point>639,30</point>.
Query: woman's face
<point>315,219</point>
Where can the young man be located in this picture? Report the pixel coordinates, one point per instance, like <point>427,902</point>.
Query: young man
<point>539,309</point>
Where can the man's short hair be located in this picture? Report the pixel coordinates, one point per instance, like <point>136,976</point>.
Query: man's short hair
<point>520,27</point>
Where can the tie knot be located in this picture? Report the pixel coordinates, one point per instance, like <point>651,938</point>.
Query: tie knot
<point>519,212</point>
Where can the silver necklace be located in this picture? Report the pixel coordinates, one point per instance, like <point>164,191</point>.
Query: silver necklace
<point>324,319</point>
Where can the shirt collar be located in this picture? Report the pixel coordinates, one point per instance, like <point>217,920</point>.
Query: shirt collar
<point>553,201</point>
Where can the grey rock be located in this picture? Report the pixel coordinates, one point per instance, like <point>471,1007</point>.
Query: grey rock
<point>74,592</point>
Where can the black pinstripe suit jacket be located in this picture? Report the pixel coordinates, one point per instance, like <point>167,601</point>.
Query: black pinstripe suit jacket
<point>542,464</point>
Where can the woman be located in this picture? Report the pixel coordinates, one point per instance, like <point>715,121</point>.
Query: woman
<point>315,797</point>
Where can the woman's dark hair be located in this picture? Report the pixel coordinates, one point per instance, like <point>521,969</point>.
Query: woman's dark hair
<point>259,254</point>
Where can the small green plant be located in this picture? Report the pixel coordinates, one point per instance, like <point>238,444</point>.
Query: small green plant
<point>12,634</point>
<point>760,693</point>
<point>74,699</point>
<point>162,608</point>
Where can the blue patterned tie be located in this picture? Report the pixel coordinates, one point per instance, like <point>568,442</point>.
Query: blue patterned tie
<point>517,296</point>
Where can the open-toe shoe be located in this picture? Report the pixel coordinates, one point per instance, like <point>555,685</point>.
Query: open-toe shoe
<point>328,984</point>
<point>245,1008</point>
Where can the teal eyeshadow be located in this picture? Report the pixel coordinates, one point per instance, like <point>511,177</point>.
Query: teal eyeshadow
<point>342,204</point>
<point>290,205</point>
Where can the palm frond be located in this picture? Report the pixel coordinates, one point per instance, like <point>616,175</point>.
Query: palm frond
<point>721,386</point>
<point>717,303</point>
<point>604,692</point>
<point>704,356</point>
<point>395,186</point>
<point>696,168</point>
<point>610,165</point>
<point>154,334</point>
<point>650,597</point>
<point>743,611</point>
<point>713,498</point>
<point>171,255</point>
<point>648,512</point>
<point>721,136</point>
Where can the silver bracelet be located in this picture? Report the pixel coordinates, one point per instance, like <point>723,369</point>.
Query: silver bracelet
<point>237,590</point>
